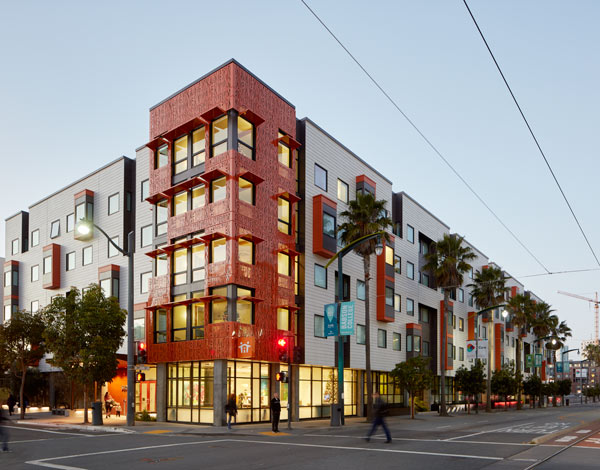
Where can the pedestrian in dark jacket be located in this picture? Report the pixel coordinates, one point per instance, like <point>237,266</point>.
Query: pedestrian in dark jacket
<point>380,410</point>
<point>3,431</point>
<point>231,409</point>
<point>11,402</point>
<point>275,411</point>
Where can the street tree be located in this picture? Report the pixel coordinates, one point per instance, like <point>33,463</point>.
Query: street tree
<point>532,386</point>
<point>365,216</point>
<point>592,352</point>
<point>22,345</point>
<point>414,375</point>
<point>84,333</point>
<point>470,382</point>
<point>520,308</point>
<point>504,383</point>
<point>564,388</point>
<point>448,259</point>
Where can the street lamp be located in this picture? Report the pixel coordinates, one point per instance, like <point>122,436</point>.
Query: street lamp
<point>84,227</point>
<point>340,294</point>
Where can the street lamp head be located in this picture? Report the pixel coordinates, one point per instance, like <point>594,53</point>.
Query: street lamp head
<point>553,340</point>
<point>83,228</point>
<point>378,246</point>
<point>504,313</point>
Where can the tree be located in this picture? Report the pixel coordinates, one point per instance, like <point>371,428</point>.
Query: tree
<point>564,388</point>
<point>532,386</point>
<point>470,382</point>
<point>592,352</point>
<point>365,216</point>
<point>22,345</point>
<point>504,383</point>
<point>414,376</point>
<point>520,308</point>
<point>84,333</point>
<point>542,324</point>
<point>447,260</point>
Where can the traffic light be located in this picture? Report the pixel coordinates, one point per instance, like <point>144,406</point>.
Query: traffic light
<point>140,377</point>
<point>142,357</point>
<point>282,349</point>
<point>281,377</point>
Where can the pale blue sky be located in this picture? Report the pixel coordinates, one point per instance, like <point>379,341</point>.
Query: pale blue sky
<point>77,79</point>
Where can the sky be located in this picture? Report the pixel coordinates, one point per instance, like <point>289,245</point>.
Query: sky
<point>77,80</point>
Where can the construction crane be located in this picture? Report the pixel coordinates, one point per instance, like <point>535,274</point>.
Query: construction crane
<point>596,308</point>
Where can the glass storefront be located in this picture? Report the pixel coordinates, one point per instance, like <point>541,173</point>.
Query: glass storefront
<point>391,392</point>
<point>249,382</point>
<point>318,391</point>
<point>190,392</point>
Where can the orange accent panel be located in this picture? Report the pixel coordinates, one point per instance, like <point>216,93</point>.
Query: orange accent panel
<point>366,179</point>
<point>11,263</point>
<point>448,335</point>
<point>381,277</point>
<point>413,326</point>
<point>543,370</point>
<point>318,202</point>
<point>85,192</point>
<point>498,346</point>
<point>54,282</point>
<point>108,267</point>
<point>471,325</point>
<point>513,291</point>
<point>246,347</point>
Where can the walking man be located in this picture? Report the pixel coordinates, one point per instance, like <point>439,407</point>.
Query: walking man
<point>275,411</point>
<point>231,409</point>
<point>380,410</point>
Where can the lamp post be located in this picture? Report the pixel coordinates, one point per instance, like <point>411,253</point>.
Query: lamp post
<point>340,295</point>
<point>85,227</point>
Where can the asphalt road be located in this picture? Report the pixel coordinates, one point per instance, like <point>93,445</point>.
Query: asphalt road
<point>497,441</point>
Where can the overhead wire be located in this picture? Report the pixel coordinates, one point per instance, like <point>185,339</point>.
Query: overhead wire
<point>424,137</point>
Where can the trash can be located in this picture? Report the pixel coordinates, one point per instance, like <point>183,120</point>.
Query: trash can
<point>97,413</point>
<point>567,402</point>
<point>336,414</point>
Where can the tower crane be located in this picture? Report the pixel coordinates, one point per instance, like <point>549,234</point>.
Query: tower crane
<point>596,303</point>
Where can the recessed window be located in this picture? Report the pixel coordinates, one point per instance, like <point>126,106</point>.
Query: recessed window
<point>396,341</point>
<point>320,276</point>
<point>389,296</point>
<point>198,146</point>
<point>246,191</point>
<point>70,222</point>
<point>244,307</point>
<point>146,236</point>
<point>35,273</point>
<point>70,261</point>
<point>283,152</point>
<point>320,177</point>
<point>319,327</point>
<point>416,340</point>
<point>361,337</point>
<point>218,306</point>
<point>15,246</point>
<point>360,290</point>
<point>423,247</point>
<point>35,237</point>
<point>218,189</point>
<point>381,338</point>
<point>47,264</point>
<point>389,255</point>
<point>245,137</point>
<point>397,264</point>
<point>423,315</point>
<point>35,306</point>
<point>180,265</point>
<point>342,191</point>
<point>246,251</point>
<point>410,233</point>
<point>470,300</point>
<point>161,264</point>
<point>112,249</point>
<point>397,302</point>
<point>219,135</point>
<point>198,196</point>
<point>179,317</point>
<point>410,270</point>
<point>283,319</point>
<point>410,307</point>
<point>144,190</point>
<point>425,348</point>
<point>198,320</point>
<point>87,256</point>
<point>180,203</point>
<point>180,155</point>
<point>328,225</point>
<point>471,273</point>
<point>55,229</point>
<point>162,216</point>
<point>283,264</point>
<point>144,282</point>
<point>114,203</point>
<point>161,156</point>
<point>425,280</point>
<point>218,250</point>
<point>198,262</point>
<point>461,324</point>
<point>284,215</point>
<point>160,326</point>
<point>461,354</point>
<point>461,295</point>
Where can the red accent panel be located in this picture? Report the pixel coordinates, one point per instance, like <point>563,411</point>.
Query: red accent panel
<point>318,202</point>
<point>471,325</point>
<point>85,192</point>
<point>543,370</point>
<point>413,326</point>
<point>514,290</point>
<point>366,179</point>
<point>381,278</point>
<point>498,346</point>
<point>448,334</point>
<point>11,263</point>
<point>53,281</point>
<point>109,267</point>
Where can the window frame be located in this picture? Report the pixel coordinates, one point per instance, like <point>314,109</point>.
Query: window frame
<point>315,276</point>
<point>52,224</point>
<point>37,232</point>
<point>37,270</point>
<point>342,184</point>
<point>213,144</point>
<point>110,199</point>
<point>12,246</point>
<point>315,177</point>
<point>281,254</point>
<point>409,271</point>
<point>142,275</point>
<point>212,189</point>
<point>144,184</point>
<point>364,334</point>
<point>398,337</point>
<point>410,312</point>
<point>212,251</point>
<point>158,154</point>
<point>322,318</point>
<point>380,336</point>
<point>410,233</point>
<point>281,222</point>
<point>252,253</point>
<point>252,191</point>
<point>83,253</point>
<point>142,236</point>
<point>364,294</point>
<point>67,263</point>
<point>111,247</point>
<point>185,158</point>
<point>244,144</point>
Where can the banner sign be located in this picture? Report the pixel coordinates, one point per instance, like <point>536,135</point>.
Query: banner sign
<point>538,360</point>
<point>528,360</point>
<point>331,320</point>
<point>559,367</point>
<point>347,318</point>
<point>481,353</point>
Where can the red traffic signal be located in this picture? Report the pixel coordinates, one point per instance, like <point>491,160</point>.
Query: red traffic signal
<point>142,357</point>
<point>281,377</point>
<point>282,342</point>
<point>140,377</point>
<point>282,348</point>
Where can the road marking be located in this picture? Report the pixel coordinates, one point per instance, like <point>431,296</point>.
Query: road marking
<point>441,427</point>
<point>51,432</point>
<point>271,433</point>
<point>422,440</point>
<point>482,432</point>
<point>29,440</point>
<point>566,439</point>
<point>53,465</point>
<point>157,431</point>
<point>583,431</point>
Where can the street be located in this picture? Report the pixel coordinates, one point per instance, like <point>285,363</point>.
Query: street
<point>495,440</point>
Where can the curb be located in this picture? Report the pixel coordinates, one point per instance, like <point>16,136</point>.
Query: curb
<point>81,427</point>
<point>549,437</point>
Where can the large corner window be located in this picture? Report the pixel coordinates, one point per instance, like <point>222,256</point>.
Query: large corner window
<point>219,133</point>
<point>218,250</point>
<point>218,189</point>
<point>246,191</point>
<point>161,156</point>
<point>162,217</point>
<point>245,134</point>
<point>283,264</point>
<point>160,326</point>
<point>283,319</point>
<point>244,307</point>
<point>284,215</point>
<point>389,255</point>
<point>180,155</point>
<point>218,306</point>
<point>246,251</point>
<point>283,152</point>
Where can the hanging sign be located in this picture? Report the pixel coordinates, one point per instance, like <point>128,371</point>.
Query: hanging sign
<point>331,320</point>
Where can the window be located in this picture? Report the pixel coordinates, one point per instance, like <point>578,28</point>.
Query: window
<point>218,250</point>
<point>180,203</point>
<point>423,247</point>
<point>146,236</point>
<point>512,342</point>
<point>342,191</point>
<point>139,329</point>
<point>145,190</point>
<point>339,235</point>
<point>461,295</point>
<point>180,266</point>
<point>70,222</point>
<point>245,134</point>
<point>426,348</point>
<point>7,312</point>
<point>389,255</point>
<point>198,262</point>
<point>461,324</point>
<point>15,246</point>
<point>80,212</point>
<point>284,215</point>
<point>410,233</point>
<point>179,316</point>
<point>47,264</point>
<point>345,287</point>
<point>218,306</point>
<point>161,264</point>
<point>144,280</point>
<point>70,261</point>
<point>87,256</point>
<point>35,237</point>
<point>246,193</point>
<point>410,307</point>
<point>381,338</point>
<point>218,189</point>
<point>114,203</point>
<point>360,334</point>
<point>409,343</point>
<point>397,302</point>
<point>389,296</point>
<point>162,216</point>
<point>410,270</point>
<point>112,250</point>
<point>180,155</point>
<point>283,152</point>
<point>55,229</point>
<point>453,352</point>
<point>397,229</point>
<point>7,278</point>
<point>246,251</point>
<point>360,290</point>
<point>417,343</point>
<point>320,177</point>
<point>198,320</point>
<point>397,264</point>
<point>160,326</point>
<point>199,150</point>
<point>219,135</point>
<point>161,156</point>
<point>35,273</point>
<point>320,276</point>
<point>319,327</point>
<point>283,264</point>
<point>283,319</point>
<point>110,287</point>
<point>35,306</point>
<point>424,315</point>
<point>470,300</point>
<point>483,332</point>
<point>328,225</point>
<point>198,196</point>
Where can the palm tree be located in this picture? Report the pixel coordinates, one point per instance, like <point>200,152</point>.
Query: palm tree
<point>448,260</point>
<point>365,216</point>
<point>542,324</point>
<point>520,308</point>
<point>488,290</point>
<point>560,332</point>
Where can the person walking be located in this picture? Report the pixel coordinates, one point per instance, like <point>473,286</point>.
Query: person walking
<point>275,411</point>
<point>380,410</point>
<point>3,431</point>
<point>231,410</point>
<point>11,402</point>
<point>108,402</point>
